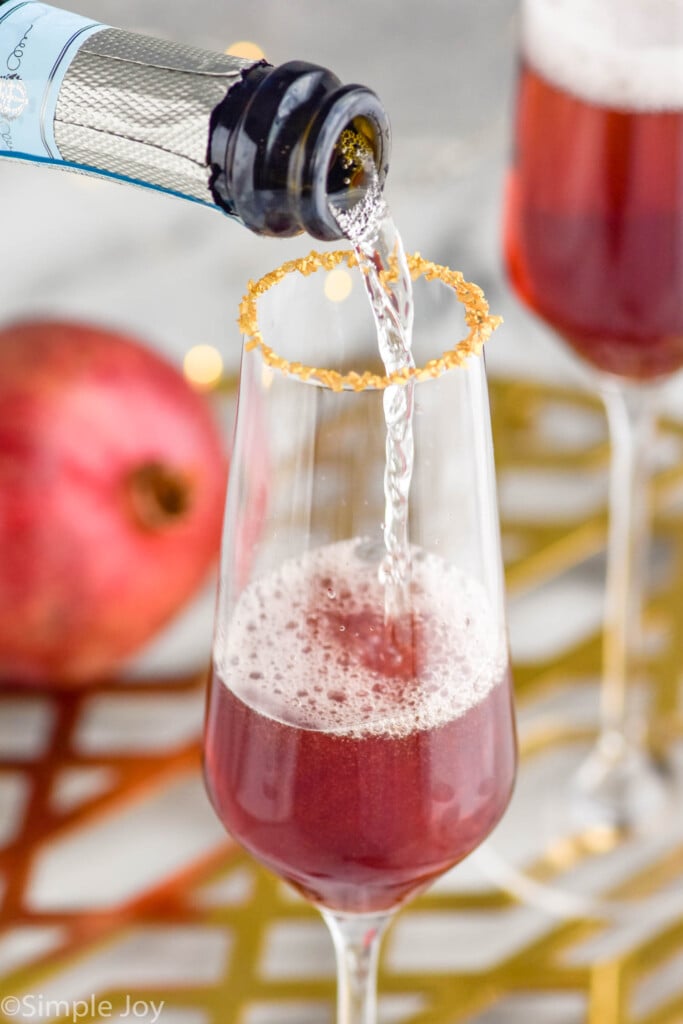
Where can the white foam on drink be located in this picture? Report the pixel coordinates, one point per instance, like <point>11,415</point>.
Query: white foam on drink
<point>627,56</point>
<point>267,658</point>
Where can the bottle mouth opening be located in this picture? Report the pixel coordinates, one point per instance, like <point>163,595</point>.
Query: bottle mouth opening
<point>342,178</point>
<point>275,148</point>
<point>329,178</point>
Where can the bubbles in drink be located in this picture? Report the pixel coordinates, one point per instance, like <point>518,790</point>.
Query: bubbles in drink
<point>616,55</point>
<point>362,680</point>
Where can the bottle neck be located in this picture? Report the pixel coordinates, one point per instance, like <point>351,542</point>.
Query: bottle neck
<point>258,142</point>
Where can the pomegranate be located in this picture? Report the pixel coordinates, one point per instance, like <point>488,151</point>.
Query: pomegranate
<point>112,480</point>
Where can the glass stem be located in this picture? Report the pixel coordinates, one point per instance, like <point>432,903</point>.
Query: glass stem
<point>631,418</point>
<point>357,939</point>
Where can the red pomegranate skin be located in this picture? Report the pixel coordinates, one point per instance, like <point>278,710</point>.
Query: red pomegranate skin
<point>112,482</point>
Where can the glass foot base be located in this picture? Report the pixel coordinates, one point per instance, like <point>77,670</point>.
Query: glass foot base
<point>620,788</point>
<point>592,835</point>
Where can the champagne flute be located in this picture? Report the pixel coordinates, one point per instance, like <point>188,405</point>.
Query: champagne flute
<point>594,245</point>
<point>356,751</point>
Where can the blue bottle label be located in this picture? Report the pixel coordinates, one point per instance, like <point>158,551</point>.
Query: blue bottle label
<point>37,45</point>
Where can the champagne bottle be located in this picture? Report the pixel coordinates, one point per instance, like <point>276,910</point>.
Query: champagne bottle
<point>259,142</point>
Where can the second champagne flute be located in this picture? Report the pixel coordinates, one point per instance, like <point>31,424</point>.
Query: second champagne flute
<point>594,245</point>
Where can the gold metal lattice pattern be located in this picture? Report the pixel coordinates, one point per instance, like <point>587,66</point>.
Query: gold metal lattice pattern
<point>217,939</point>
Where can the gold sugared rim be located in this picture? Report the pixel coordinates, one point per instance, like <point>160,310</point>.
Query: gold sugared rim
<point>477,317</point>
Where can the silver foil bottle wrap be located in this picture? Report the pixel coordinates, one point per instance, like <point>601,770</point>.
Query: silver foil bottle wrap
<point>107,101</point>
<point>139,108</point>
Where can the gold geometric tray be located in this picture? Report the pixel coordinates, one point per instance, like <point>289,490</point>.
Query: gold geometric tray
<point>120,887</point>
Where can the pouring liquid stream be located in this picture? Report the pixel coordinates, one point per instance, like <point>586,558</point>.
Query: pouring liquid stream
<point>370,228</point>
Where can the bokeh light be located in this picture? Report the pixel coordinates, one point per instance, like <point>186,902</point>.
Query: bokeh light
<point>203,366</point>
<point>245,49</point>
<point>338,285</point>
